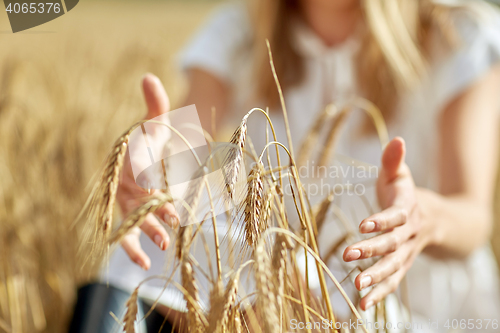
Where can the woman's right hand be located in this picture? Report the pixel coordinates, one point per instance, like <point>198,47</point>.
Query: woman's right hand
<point>129,194</point>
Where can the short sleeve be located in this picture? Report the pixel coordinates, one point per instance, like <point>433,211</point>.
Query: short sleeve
<point>214,47</point>
<point>478,50</point>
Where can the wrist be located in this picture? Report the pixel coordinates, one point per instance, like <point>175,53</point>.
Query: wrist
<point>435,232</point>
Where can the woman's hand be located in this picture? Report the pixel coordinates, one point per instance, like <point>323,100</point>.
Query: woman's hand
<point>404,232</point>
<point>129,194</point>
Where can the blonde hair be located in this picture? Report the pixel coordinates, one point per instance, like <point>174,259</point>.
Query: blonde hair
<point>392,58</point>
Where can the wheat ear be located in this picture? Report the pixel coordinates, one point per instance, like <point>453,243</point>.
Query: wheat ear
<point>103,196</point>
<point>110,179</point>
<point>221,304</point>
<point>312,136</point>
<point>254,203</point>
<point>193,195</point>
<point>295,176</point>
<point>137,217</point>
<point>237,327</point>
<point>234,158</point>
<point>321,211</point>
<point>192,298</point>
<point>131,314</point>
<point>266,297</point>
<point>278,263</point>
<point>183,240</point>
<point>267,209</point>
<point>332,136</point>
<point>216,305</point>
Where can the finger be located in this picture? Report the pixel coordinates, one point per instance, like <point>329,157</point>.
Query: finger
<point>152,227</point>
<point>155,96</point>
<point>384,288</point>
<point>378,245</point>
<point>385,267</point>
<point>168,214</point>
<point>387,219</point>
<point>393,159</point>
<point>132,247</point>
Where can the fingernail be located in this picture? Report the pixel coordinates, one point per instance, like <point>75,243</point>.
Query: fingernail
<point>368,305</point>
<point>367,226</point>
<point>159,241</point>
<point>353,254</point>
<point>365,281</point>
<point>173,221</point>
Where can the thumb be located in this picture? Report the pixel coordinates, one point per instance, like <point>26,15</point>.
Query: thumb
<point>156,98</point>
<point>393,159</point>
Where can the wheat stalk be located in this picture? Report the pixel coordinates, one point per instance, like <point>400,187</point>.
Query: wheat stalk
<point>334,248</point>
<point>322,265</point>
<point>295,176</point>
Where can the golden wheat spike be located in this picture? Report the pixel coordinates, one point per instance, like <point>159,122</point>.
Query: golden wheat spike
<point>267,305</point>
<point>234,158</point>
<point>254,203</point>
<point>137,217</point>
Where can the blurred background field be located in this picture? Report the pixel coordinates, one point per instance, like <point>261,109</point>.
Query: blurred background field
<point>68,89</point>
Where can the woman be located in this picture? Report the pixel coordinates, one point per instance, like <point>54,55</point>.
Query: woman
<point>432,70</point>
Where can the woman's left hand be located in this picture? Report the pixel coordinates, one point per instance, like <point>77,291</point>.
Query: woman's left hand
<point>405,233</point>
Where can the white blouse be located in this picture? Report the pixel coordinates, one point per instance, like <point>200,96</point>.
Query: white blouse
<point>438,290</point>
